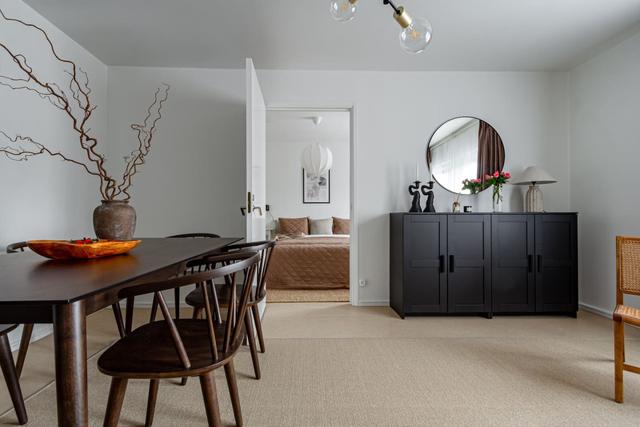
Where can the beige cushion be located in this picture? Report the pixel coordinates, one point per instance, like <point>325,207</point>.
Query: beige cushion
<point>293,225</point>
<point>341,225</point>
<point>321,226</point>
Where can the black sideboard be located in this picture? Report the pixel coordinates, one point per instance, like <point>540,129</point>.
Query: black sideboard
<point>484,263</point>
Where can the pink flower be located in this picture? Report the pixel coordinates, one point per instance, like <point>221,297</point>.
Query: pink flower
<point>507,175</point>
<point>476,181</point>
<point>496,174</point>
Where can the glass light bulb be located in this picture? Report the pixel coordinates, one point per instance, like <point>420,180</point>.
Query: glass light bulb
<point>342,10</point>
<point>416,37</point>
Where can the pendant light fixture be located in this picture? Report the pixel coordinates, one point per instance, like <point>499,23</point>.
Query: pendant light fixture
<point>343,10</point>
<point>316,158</point>
<point>416,32</point>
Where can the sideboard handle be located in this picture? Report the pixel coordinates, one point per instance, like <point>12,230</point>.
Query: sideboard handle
<point>452,267</point>
<point>441,263</point>
<point>530,263</point>
<point>539,263</point>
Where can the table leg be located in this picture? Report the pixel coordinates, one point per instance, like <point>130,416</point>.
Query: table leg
<point>70,339</point>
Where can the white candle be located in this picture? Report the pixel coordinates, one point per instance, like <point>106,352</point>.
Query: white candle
<point>417,171</point>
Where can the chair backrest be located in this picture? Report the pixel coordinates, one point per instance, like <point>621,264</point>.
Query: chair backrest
<point>16,247</point>
<point>194,236</point>
<point>627,266</point>
<point>264,248</point>
<point>227,266</point>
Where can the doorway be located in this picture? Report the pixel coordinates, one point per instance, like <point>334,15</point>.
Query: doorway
<point>322,256</point>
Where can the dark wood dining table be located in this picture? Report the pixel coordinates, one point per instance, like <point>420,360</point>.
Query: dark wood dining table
<point>36,290</point>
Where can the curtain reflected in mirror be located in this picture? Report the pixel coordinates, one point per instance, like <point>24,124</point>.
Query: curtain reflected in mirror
<point>464,148</point>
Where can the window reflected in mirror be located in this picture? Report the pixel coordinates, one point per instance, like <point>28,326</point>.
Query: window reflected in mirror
<point>464,148</point>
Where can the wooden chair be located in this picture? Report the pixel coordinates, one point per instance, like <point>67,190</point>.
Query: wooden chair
<point>627,282</point>
<point>27,330</point>
<point>183,347</point>
<point>197,301</point>
<point>154,305</point>
<point>10,373</point>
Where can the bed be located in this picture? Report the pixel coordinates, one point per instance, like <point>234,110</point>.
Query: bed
<point>310,262</point>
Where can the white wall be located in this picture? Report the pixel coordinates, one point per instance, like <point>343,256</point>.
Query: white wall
<point>194,178</point>
<point>396,115</point>
<point>45,198</point>
<point>605,148</point>
<point>284,181</point>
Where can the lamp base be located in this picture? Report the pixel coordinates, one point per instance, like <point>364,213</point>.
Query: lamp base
<point>533,199</point>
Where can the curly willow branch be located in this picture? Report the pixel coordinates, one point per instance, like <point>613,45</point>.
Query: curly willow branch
<point>79,113</point>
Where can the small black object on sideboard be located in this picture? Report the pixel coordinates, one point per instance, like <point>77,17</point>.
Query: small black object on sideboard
<point>484,263</point>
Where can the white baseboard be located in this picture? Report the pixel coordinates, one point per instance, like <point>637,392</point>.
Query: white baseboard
<point>373,303</point>
<point>596,310</point>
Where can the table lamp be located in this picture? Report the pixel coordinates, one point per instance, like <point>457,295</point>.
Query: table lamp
<point>534,176</point>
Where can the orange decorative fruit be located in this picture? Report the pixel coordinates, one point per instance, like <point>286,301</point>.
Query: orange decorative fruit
<point>64,249</point>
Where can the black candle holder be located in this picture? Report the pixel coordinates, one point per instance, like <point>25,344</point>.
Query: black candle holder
<point>414,191</point>
<point>427,190</point>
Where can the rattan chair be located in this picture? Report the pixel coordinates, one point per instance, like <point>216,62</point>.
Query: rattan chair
<point>627,282</point>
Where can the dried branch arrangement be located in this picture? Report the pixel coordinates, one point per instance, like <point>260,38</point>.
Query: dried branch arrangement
<point>74,99</point>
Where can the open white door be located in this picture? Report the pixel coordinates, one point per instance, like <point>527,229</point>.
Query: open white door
<point>256,158</point>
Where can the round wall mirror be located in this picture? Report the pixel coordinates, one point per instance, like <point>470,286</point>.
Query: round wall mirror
<point>464,148</point>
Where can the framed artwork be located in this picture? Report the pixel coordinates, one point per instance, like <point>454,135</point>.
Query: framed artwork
<point>316,189</point>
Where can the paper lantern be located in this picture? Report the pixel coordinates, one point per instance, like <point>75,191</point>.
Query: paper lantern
<point>317,159</point>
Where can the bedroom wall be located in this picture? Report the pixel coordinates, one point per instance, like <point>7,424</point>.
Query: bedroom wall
<point>605,148</point>
<point>45,197</point>
<point>284,181</point>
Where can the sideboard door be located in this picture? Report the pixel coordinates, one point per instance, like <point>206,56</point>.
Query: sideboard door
<point>469,263</point>
<point>425,285</point>
<point>556,263</point>
<point>512,273</point>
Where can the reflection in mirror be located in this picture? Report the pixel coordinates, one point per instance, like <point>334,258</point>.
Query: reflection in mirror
<point>464,148</point>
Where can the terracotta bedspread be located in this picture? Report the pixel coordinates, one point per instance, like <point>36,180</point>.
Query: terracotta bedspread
<point>310,263</point>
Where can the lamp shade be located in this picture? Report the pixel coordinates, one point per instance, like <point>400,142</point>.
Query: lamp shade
<point>317,159</point>
<point>534,174</point>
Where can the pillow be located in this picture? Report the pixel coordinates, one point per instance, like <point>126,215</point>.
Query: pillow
<point>341,225</point>
<point>293,225</point>
<point>321,226</point>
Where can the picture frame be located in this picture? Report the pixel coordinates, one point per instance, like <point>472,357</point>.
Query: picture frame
<point>316,190</point>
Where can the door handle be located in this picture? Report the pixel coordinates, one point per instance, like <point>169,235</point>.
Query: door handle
<point>452,267</point>
<point>243,211</point>
<point>257,208</point>
<point>539,263</point>
<point>441,263</point>
<point>530,263</point>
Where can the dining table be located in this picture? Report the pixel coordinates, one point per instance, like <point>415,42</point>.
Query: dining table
<point>34,289</point>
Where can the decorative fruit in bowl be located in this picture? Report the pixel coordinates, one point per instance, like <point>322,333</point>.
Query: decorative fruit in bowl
<point>85,248</point>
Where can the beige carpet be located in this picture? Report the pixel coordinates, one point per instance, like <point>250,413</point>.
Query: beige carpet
<point>310,295</point>
<point>336,365</point>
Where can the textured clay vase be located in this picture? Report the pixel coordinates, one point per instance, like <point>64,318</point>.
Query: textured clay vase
<point>114,220</point>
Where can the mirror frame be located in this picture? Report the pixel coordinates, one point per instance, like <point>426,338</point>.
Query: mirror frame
<point>429,143</point>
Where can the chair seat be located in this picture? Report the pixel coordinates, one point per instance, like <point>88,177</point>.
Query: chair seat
<point>195,298</point>
<point>627,314</point>
<point>5,329</point>
<point>149,351</point>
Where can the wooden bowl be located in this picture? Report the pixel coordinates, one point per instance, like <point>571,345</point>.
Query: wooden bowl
<point>63,249</point>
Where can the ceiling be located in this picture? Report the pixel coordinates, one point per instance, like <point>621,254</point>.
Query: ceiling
<point>297,127</point>
<point>300,34</point>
